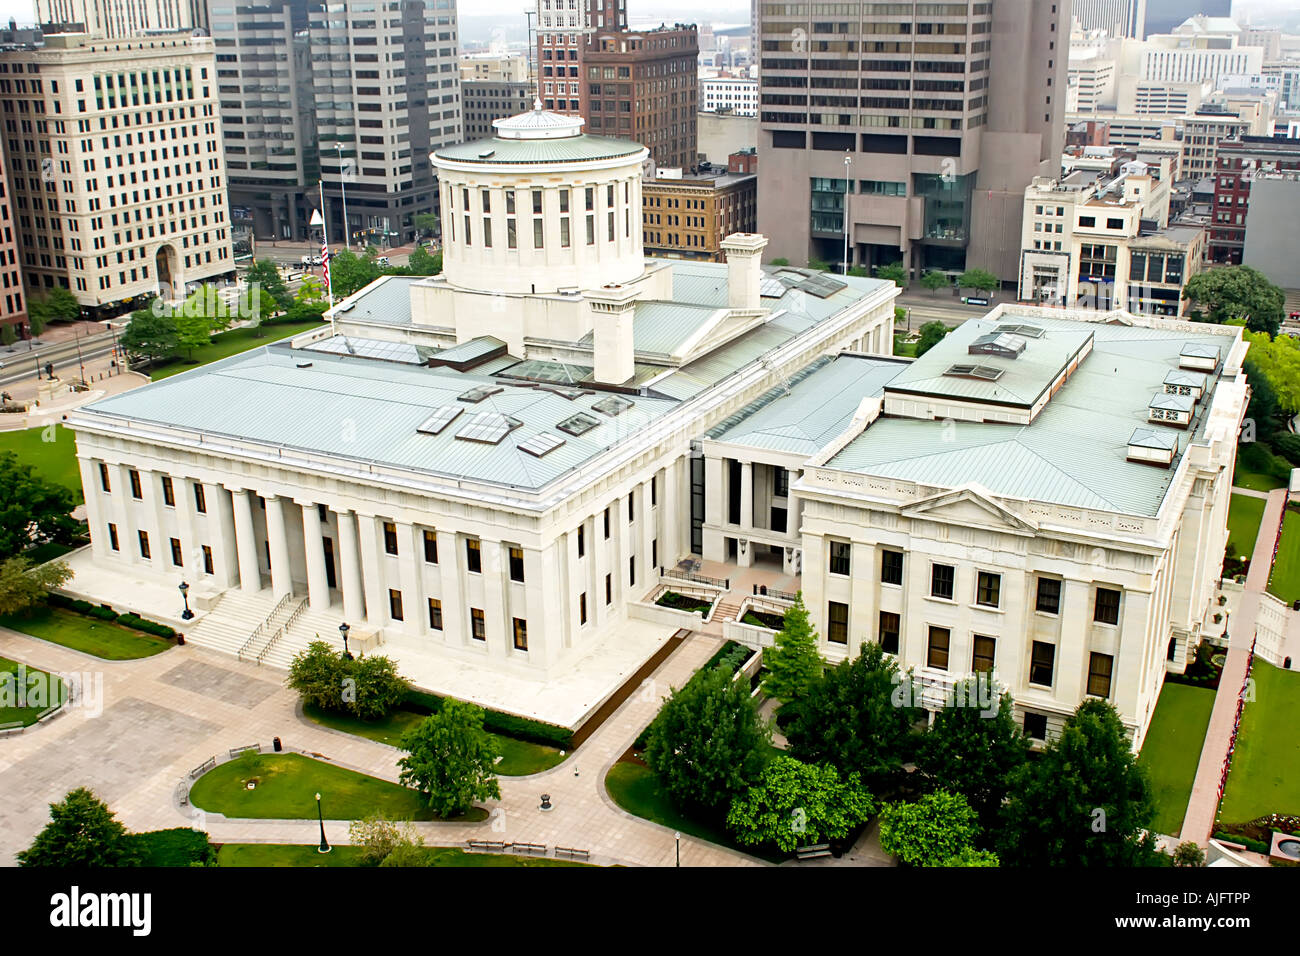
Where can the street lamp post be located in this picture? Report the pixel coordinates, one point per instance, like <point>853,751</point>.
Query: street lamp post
<point>80,362</point>
<point>848,168</point>
<point>678,837</point>
<point>324,844</point>
<point>343,632</point>
<point>187,614</point>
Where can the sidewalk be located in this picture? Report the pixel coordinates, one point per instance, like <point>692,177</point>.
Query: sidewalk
<point>1203,806</point>
<point>101,386</point>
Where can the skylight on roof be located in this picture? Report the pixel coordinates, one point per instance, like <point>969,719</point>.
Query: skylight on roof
<point>612,405</point>
<point>563,391</point>
<point>440,419</point>
<point>488,427</point>
<point>578,424</point>
<point>986,372</point>
<point>1028,331</point>
<point>480,392</point>
<point>541,445</point>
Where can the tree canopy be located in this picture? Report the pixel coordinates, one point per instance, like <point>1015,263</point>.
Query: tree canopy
<point>932,333</point>
<point>23,586</point>
<point>54,305</point>
<point>422,263</point>
<point>31,508</point>
<point>979,279</point>
<point>1236,292</point>
<point>82,832</point>
<point>894,272</point>
<point>266,274</point>
<point>859,717</point>
<point>936,829</point>
<point>367,687</point>
<point>933,280</point>
<point>451,759</point>
<point>795,804</point>
<point>706,743</point>
<point>150,334</point>
<point>1083,802</point>
<point>793,663</point>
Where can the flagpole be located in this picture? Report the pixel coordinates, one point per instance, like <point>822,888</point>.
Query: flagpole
<point>325,236</point>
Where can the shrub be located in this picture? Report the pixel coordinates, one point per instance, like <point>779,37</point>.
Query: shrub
<point>1188,853</point>
<point>179,846</point>
<point>1255,846</point>
<point>142,624</point>
<point>499,722</point>
<point>930,832</point>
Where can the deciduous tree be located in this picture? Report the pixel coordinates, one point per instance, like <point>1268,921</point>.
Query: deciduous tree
<point>933,280</point>
<point>451,759</point>
<point>932,333</point>
<point>150,334</point>
<point>31,508</point>
<point>1236,292</point>
<point>23,586</point>
<point>795,804</point>
<point>894,272</point>
<point>82,832</point>
<point>930,832</point>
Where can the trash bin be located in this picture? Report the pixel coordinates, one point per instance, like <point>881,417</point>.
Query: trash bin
<point>276,745</point>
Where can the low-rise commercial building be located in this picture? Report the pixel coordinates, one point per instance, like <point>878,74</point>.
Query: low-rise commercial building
<point>688,214</point>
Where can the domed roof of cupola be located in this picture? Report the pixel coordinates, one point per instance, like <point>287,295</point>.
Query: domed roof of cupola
<point>538,136</point>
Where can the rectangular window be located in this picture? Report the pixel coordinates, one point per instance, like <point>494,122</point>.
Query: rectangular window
<point>487,233</point>
<point>889,628</point>
<point>207,560</point>
<point>985,647</point>
<point>937,652</point>
<point>631,506</point>
<point>1106,610</point>
<point>200,499</point>
<point>609,589</point>
<point>1099,670</point>
<point>780,483</point>
<point>564,232</point>
<point>395,604</point>
<point>517,565</point>
<point>607,523</point>
<point>654,490</point>
<point>837,623</point>
<point>537,234</point>
<point>941,581</point>
<point>435,614</point>
<point>512,234</point>
<point>1049,596</point>
<point>537,202</point>
<point>582,540</point>
<point>177,560</point>
<point>988,589</point>
<point>112,537</point>
<point>582,608</point>
<point>840,552</point>
<point>135,484</point>
<point>1042,661</point>
<point>478,626</point>
<point>521,634</point>
<point>654,552</point>
<point>631,570</point>
<point>1035,726</point>
<point>103,477</point>
<point>431,547</point>
<point>390,537</point>
<point>891,567</point>
<point>473,556</point>
<point>144,544</point>
<point>169,493</point>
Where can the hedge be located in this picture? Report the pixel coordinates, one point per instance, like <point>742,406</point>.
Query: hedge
<point>180,846</point>
<point>1256,846</point>
<point>102,613</point>
<point>508,725</point>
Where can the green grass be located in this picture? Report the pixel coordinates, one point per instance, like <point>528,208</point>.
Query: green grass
<point>904,349</point>
<point>286,788</point>
<point>1172,750</point>
<point>1244,515</point>
<point>1263,779</point>
<point>103,639</point>
<point>519,758</point>
<point>294,854</point>
<point>54,460</point>
<point>635,788</point>
<point>50,695</point>
<point>1259,469</point>
<point>1284,578</point>
<point>226,344</point>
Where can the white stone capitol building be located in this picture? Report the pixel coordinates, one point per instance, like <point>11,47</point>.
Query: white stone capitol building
<point>495,472</point>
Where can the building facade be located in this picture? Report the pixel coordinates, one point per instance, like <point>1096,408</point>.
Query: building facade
<point>1237,163</point>
<point>114,151</point>
<point>387,93</point>
<point>932,135</point>
<point>124,19</point>
<point>689,215</point>
<point>728,94</point>
<point>13,307</point>
<point>1119,18</point>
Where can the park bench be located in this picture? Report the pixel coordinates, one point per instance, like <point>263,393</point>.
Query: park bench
<point>572,853</point>
<point>812,851</point>
<point>491,846</point>
<point>538,848</point>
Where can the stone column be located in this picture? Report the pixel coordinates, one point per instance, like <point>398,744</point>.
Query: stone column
<point>318,591</point>
<point>372,572</point>
<point>250,577</point>
<point>95,519</point>
<point>350,567</point>
<point>127,539</point>
<point>600,549</point>
<point>410,548</point>
<point>221,533</point>
<point>281,571</point>
<point>669,548</point>
<point>497,627</point>
<point>746,558</point>
<point>455,627</point>
<point>185,521</point>
<point>646,570</point>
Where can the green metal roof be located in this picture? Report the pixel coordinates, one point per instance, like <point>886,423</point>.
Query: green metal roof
<point>567,149</point>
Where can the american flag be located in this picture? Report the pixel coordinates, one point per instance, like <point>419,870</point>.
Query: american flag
<point>325,264</point>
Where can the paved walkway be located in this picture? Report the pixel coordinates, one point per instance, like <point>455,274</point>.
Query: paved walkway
<point>1249,492</point>
<point>163,715</point>
<point>102,384</point>
<point>1203,805</point>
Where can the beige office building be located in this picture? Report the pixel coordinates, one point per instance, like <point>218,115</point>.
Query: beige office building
<point>115,160</point>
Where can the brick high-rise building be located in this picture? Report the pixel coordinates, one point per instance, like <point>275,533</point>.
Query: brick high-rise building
<point>629,84</point>
<point>929,124</point>
<point>1237,163</point>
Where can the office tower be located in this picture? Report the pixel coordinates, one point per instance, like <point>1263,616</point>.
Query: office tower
<point>1119,18</point>
<point>124,19</point>
<point>268,114</point>
<point>1164,15</point>
<point>492,87</point>
<point>387,92</point>
<point>116,168</point>
<point>950,113</point>
<point>13,303</point>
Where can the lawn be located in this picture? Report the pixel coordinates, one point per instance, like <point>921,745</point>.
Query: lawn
<point>1172,750</point>
<point>226,344</point>
<point>103,639</point>
<point>904,349</point>
<point>519,758</point>
<point>1244,514</point>
<point>1284,578</point>
<point>286,788</point>
<point>634,787</point>
<point>54,461</point>
<point>37,694</point>
<point>1264,778</point>
<point>1259,469</point>
<point>295,854</point>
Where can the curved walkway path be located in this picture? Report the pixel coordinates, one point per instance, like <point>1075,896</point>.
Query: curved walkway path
<point>161,716</point>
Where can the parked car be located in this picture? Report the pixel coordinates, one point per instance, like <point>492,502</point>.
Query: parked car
<point>382,260</point>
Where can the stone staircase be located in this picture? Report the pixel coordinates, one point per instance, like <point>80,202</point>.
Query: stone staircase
<point>299,630</point>
<point>232,621</point>
<point>727,609</point>
<point>258,629</point>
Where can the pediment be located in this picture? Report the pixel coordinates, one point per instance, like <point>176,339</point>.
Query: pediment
<point>972,506</point>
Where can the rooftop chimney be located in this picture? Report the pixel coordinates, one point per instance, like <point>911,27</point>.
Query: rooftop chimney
<point>612,310</point>
<point>744,251</point>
